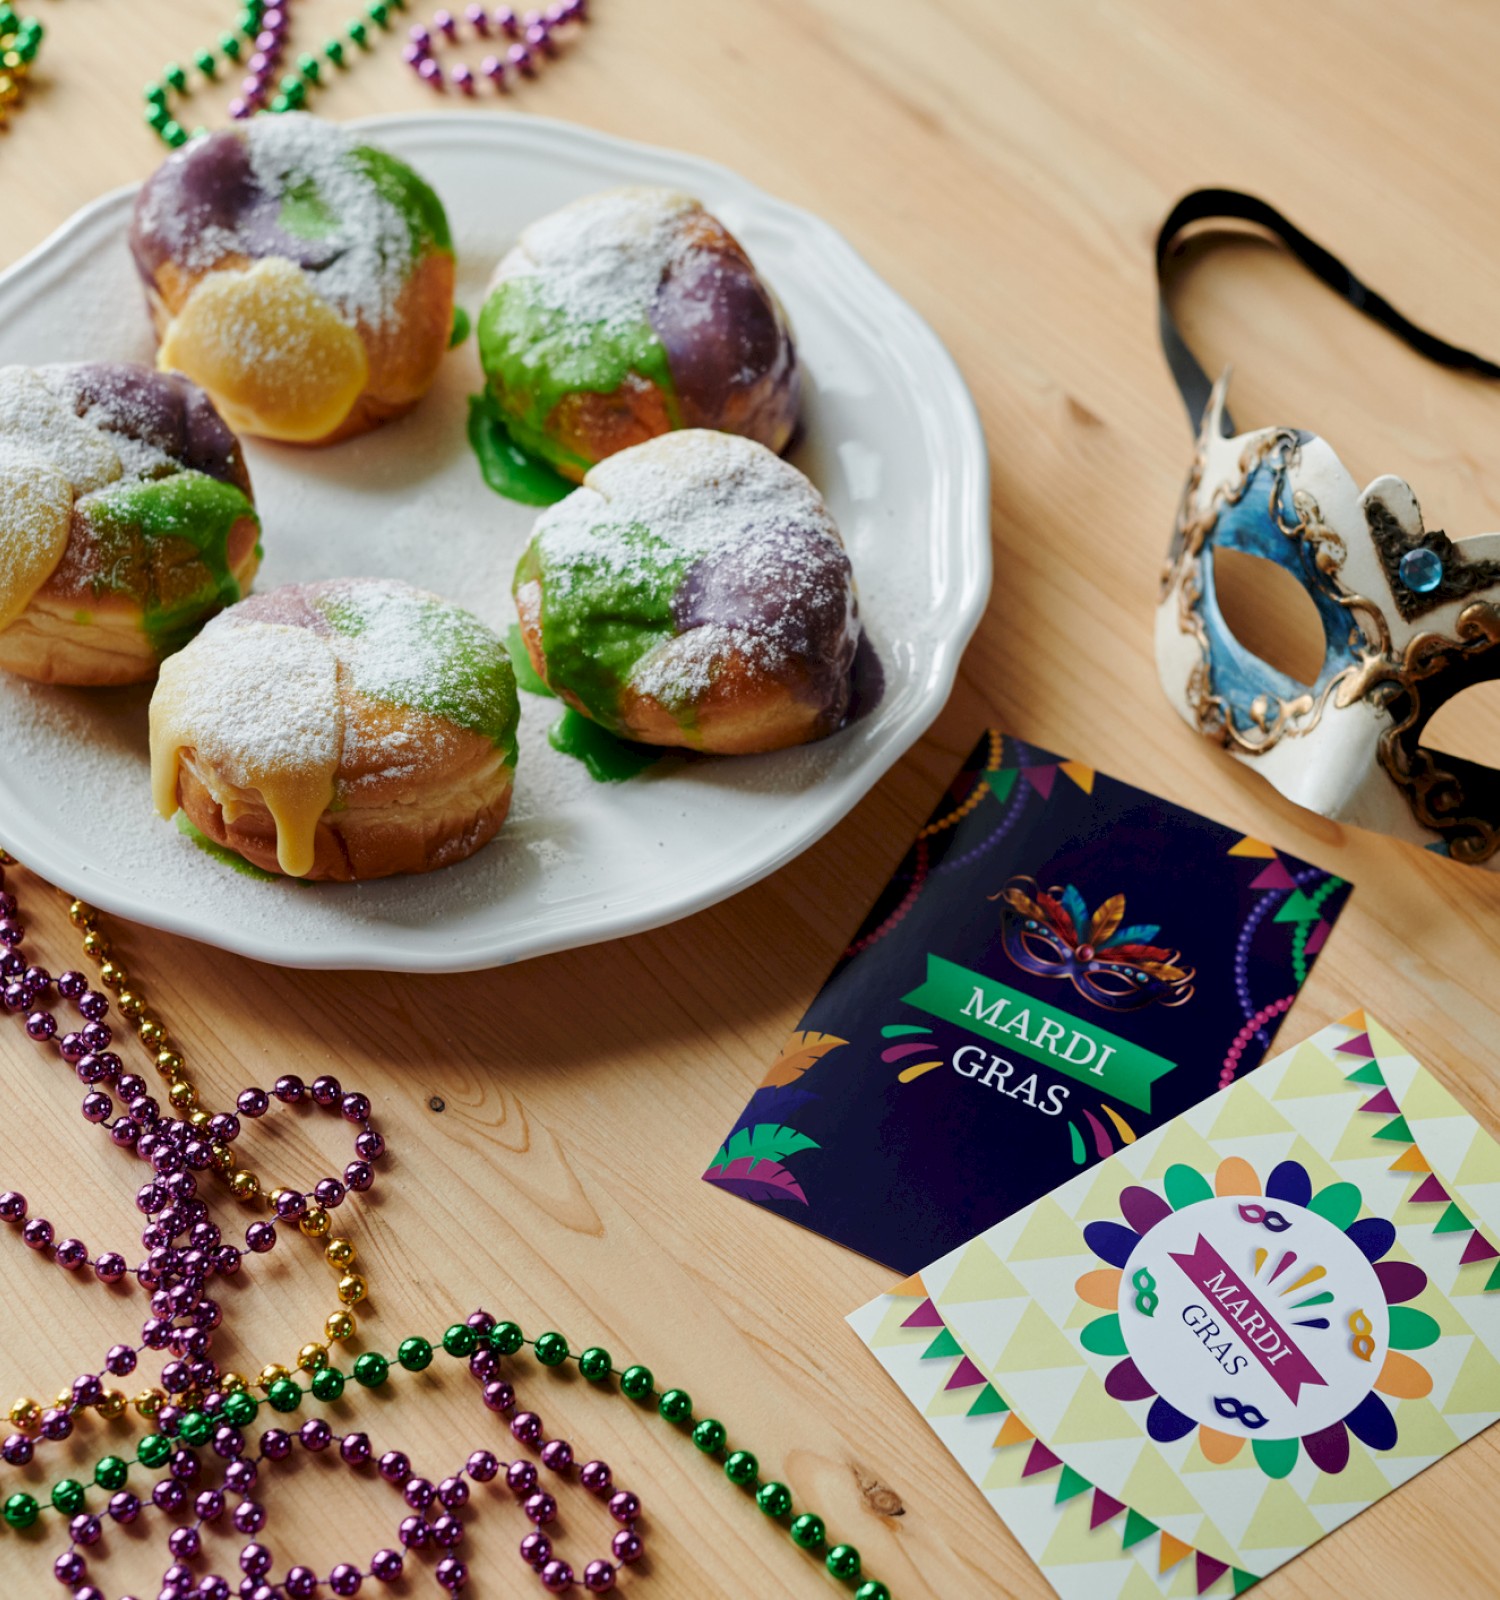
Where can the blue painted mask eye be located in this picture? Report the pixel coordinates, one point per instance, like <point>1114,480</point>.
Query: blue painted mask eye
<point>1254,696</point>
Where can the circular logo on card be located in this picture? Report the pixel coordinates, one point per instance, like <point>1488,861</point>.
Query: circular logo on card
<point>1266,1314</point>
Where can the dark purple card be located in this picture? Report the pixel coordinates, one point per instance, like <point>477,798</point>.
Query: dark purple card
<point>1061,964</point>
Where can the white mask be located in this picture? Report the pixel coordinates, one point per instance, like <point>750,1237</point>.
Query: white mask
<point>1410,617</point>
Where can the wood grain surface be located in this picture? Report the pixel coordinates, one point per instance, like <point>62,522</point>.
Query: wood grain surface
<point>1004,165</point>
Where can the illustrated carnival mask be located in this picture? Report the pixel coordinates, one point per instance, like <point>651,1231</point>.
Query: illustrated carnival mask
<point>1052,934</point>
<point>1410,616</point>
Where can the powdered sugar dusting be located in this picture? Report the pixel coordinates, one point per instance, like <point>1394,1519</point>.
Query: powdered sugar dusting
<point>599,261</point>
<point>370,242</point>
<point>576,860</point>
<point>775,583</point>
<point>37,425</point>
<point>697,490</point>
<point>254,701</point>
<point>365,246</point>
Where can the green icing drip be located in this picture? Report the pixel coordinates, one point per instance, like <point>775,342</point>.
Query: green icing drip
<point>534,356</point>
<point>432,657</point>
<point>419,206</point>
<point>223,855</point>
<point>304,213</point>
<point>527,677</point>
<point>186,522</point>
<point>507,468</point>
<point>597,622</point>
<point>460,329</point>
<point>608,759</point>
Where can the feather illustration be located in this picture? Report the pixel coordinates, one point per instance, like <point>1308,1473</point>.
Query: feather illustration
<point>1075,906</point>
<point>1136,933</point>
<point>757,1180</point>
<point>799,1053</point>
<point>1058,917</point>
<point>766,1141</point>
<point>1106,919</point>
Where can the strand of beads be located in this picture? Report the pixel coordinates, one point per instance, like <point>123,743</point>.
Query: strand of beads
<point>482,1342</point>
<point>259,42</point>
<point>20,41</point>
<point>185,1249</point>
<point>532,43</point>
<point>310,1213</point>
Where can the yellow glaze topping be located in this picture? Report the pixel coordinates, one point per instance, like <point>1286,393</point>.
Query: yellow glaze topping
<point>36,512</point>
<point>259,702</point>
<point>275,356</point>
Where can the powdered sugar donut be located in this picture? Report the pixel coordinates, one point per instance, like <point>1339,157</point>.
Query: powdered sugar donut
<point>126,520</point>
<point>628,314</point>
<point>694,592</point>
<point>303,278</point>
<point>348,729</point>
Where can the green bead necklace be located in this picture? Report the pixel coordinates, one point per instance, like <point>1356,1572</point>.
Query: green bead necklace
<point>256,43</point>
<point>194,1430</point>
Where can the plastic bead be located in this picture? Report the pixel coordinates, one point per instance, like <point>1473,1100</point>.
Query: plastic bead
<point>637,1382</point>
<point>676,1405</point>
<point>551,1349</point>
<point>808,1531</point>
<point>843,1561</point>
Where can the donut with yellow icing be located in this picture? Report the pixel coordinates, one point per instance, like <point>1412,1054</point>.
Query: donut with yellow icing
<point>126,520</point>
<point>343,730</point>
<point>302,277</point>
<point>693,592</point>
<point>628,314</point>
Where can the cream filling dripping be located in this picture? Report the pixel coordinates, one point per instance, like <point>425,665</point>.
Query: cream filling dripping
<point>259,704</point>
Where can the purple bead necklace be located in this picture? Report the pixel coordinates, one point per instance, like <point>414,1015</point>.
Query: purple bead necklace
<point>533,43</point>
<point>184,1249</point>
<point>201,1413</point>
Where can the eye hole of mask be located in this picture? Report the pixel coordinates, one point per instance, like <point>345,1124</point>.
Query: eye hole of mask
<point>1270,613</point>
<point>1468,725</point>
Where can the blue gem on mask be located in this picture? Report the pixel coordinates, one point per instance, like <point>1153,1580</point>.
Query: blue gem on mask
<point>1421,570</point>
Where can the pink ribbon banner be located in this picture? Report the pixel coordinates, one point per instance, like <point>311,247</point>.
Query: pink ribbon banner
<point>1242,1312</point>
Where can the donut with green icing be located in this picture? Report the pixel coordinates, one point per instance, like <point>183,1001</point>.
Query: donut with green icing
<point>126,520</point>
<point>693,592</point>
<point>303,277</point>
<point>629,314</point>
<point>343,730</point>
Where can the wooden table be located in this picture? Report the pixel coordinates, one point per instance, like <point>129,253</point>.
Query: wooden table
<point>1004,166</point>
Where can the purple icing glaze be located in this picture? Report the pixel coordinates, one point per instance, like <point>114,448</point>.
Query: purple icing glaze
<point>161,408</point>
<point>206,198</point>
<point>790,586</point>
<point>724,336</point>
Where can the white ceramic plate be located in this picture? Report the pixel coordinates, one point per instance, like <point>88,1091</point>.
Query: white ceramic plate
<point>891,437</point>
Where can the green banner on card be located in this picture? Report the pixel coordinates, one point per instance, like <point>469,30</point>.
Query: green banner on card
<point>1066,1043</point>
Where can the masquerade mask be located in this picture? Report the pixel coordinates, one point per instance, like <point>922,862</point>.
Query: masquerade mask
<point>1410,616</point>
<point>1051,934</point>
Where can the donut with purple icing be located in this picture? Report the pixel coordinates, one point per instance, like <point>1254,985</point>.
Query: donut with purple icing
<point>626,315</point>
<point>693,592</point>
<point>126,520</point>
<point>301,277</point>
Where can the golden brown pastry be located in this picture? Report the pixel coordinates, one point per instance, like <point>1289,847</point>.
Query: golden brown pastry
<point>628,314</point>
<point>304,279</point>
<point>126,520</point>
<point>342,730</point>
<point>695,592</point>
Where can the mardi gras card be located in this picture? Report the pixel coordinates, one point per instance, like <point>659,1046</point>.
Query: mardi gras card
<point>1186,1366</point>
<point>1060,964</point>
